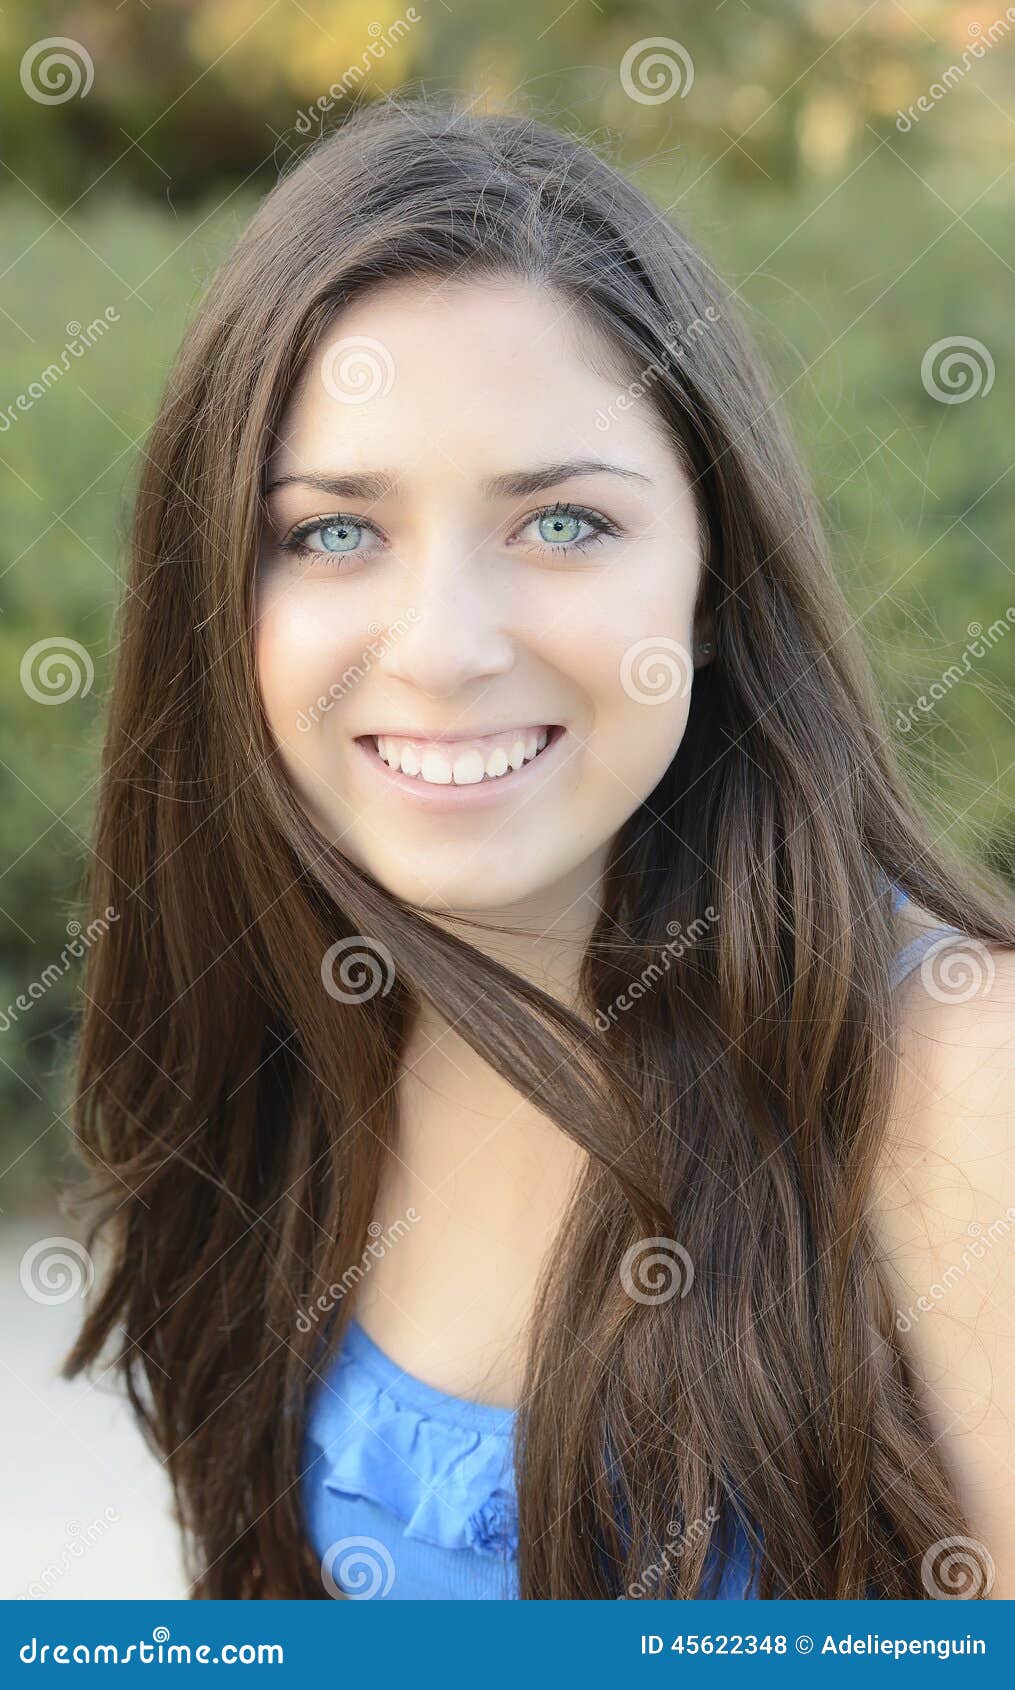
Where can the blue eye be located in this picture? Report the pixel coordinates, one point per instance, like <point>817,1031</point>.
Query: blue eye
<point>567,528</point>
<point>559,527</point>
<point>340,536</point>
<point>332,536</point>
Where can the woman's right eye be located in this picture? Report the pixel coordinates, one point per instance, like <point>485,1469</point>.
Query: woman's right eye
<point>332,536</point>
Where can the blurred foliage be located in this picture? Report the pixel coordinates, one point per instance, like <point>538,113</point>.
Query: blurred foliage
<point>191,97</point>
<point>853,248</point>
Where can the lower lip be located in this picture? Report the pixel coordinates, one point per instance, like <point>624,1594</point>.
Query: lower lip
<point>478,795</point>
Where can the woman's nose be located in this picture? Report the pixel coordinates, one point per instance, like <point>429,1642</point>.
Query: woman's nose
<point>449,631</point>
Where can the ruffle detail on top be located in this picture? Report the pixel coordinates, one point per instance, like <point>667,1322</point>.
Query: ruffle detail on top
<point>441,1464</point>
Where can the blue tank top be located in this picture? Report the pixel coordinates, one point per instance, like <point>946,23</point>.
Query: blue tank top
<point>407,1493</point>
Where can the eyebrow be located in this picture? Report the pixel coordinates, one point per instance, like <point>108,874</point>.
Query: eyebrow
<point>515,484</point>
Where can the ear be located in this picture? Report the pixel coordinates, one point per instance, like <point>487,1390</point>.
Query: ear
<point>704,643</point>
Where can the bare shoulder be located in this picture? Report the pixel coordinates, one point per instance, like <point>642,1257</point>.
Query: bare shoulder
<point>956,1052</point>
<point>944,1211</point>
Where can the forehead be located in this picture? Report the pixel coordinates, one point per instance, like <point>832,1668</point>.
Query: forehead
<point>466,374</point>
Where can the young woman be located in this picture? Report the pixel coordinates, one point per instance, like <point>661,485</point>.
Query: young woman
<point>544,1062</point>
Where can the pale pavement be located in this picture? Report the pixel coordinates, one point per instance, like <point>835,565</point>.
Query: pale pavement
<point>86,1507</point>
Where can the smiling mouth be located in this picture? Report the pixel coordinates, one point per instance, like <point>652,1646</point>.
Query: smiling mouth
<point>463,762</point>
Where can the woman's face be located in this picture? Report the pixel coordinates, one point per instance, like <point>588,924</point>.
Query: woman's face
<point>496,585</point>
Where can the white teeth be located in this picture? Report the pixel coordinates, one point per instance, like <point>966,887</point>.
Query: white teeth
<point>438,765</point>
<point>469,768</point>
<point>435,767</point>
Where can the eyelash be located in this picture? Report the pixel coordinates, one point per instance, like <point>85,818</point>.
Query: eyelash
<point>601,525</point>
<point>294,539</point>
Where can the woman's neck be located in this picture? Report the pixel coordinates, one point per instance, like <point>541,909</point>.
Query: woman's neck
<point>488,1175</point>
<point>542,939</point>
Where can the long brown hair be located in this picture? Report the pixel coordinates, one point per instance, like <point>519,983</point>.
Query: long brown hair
<point>236,1115</point>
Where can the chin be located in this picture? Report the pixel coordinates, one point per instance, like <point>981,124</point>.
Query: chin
<point>441,892</point>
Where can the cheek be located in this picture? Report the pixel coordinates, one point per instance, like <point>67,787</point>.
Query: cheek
<point>298,660</point>
<point>635,743</point>
<point>299,655</point>
<point>632,656</point>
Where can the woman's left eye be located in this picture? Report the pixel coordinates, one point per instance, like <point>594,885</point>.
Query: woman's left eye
<point>566,528</point>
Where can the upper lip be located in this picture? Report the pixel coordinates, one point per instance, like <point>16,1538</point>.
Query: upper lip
<point>438,737</point>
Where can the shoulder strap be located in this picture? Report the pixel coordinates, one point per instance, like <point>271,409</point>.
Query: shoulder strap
<point>906,959</point>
